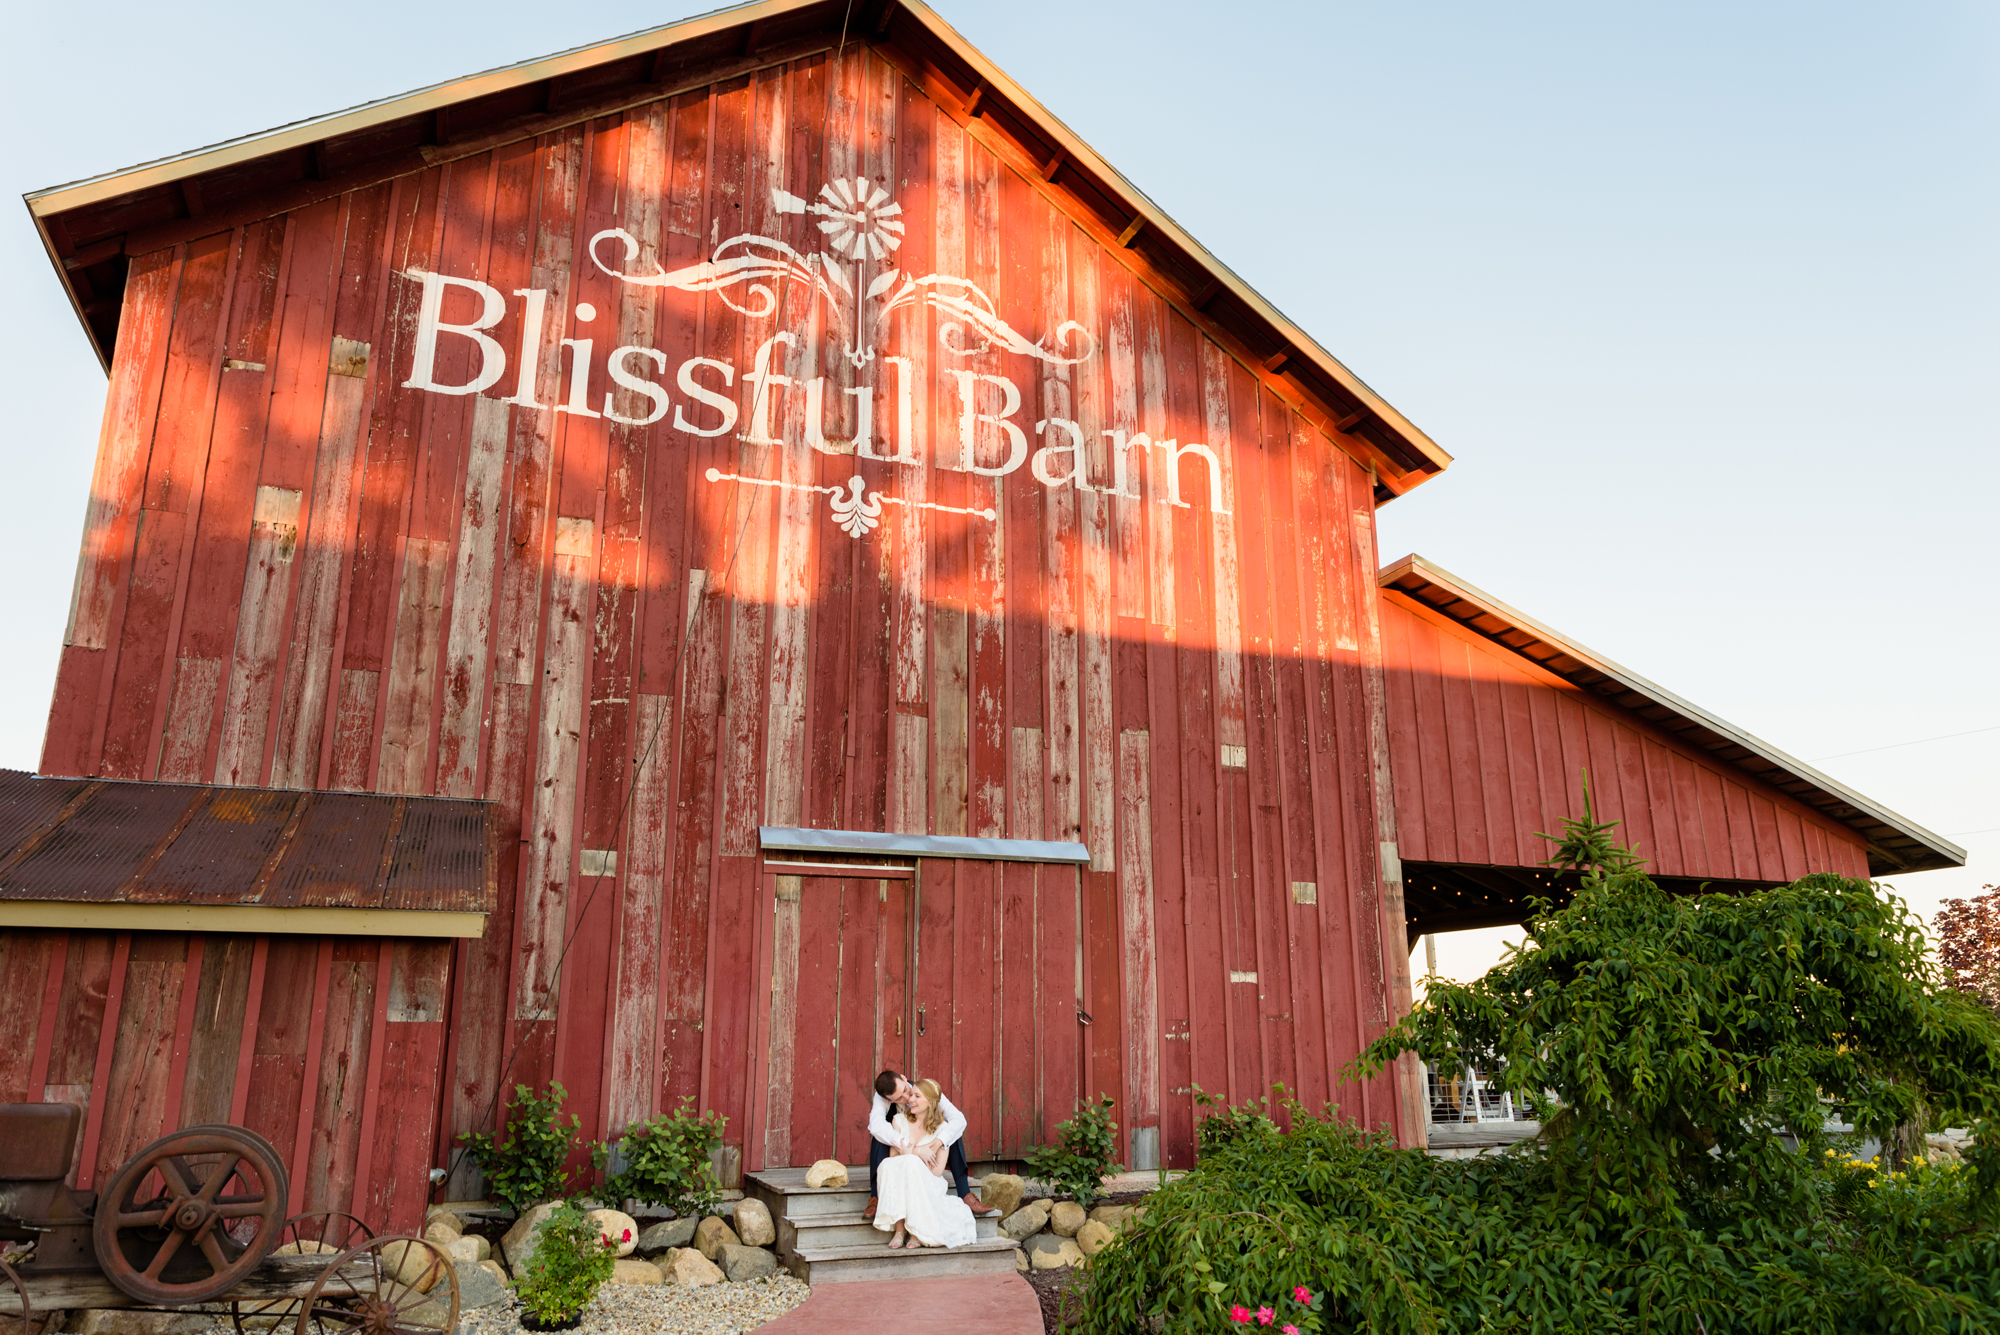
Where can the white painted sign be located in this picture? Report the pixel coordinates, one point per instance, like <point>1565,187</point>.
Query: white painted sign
<point>859,285</point>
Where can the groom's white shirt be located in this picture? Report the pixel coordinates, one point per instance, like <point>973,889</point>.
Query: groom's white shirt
<point>880,1127</point>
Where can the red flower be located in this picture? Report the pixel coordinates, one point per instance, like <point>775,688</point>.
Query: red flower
<point>1239,1313</point>
<point>1289,1330</point>
<point>626,1236</point>
<point>1302,1294</point>
<point>1264,1315</point>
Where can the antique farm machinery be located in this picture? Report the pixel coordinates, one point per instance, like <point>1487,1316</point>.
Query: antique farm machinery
<point>197,1220</point>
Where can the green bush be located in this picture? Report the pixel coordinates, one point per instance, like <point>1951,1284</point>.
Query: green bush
<point>1082,1156</point>
<point>531,1165</point>
<point>668,1161</point>
<point>1675,1049</point>
<point>571,1262</point>
<point>1388,1240</point>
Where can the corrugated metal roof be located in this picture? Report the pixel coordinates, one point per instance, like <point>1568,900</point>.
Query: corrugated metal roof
<point>118,842</point>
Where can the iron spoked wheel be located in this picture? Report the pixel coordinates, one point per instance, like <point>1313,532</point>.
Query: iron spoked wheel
<point>190,1216</point>
<point>11,1280</point>
<point>413,1291</point>
<point>324,1231</point>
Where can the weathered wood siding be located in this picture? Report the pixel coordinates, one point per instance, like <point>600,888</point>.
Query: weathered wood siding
<point>1489,748</point>
<point>645,638</point>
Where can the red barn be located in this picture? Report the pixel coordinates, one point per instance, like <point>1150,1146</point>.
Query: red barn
<point>900,599</point>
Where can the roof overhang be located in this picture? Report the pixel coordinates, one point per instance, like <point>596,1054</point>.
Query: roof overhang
<point>1895,843</point>
<point>133,856</point>
<point>90,228</point>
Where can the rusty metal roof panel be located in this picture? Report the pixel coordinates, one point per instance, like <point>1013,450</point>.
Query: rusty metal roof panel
<point>440,858</point>
<point>102,844</point>
<point>123,842</point>
<point>228,838</point>
<point>26,809</point>
<point>336,855</point>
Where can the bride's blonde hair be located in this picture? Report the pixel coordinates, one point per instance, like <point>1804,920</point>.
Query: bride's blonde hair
<point>934,1109</point>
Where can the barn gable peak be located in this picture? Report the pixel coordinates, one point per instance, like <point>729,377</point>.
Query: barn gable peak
<point>92,228</point>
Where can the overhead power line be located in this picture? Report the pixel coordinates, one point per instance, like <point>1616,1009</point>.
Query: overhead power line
<point>1942,737</point>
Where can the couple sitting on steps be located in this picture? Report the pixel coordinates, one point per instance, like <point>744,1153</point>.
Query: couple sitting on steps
<point>908,1158</point>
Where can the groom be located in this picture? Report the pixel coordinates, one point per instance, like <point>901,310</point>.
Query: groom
<point>893,1087</point>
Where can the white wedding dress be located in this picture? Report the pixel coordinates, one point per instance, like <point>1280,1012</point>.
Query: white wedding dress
<point>907,1190</point>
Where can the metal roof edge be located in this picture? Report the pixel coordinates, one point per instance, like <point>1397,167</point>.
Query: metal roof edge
<point>792,839</point>
<point>1660,695</point>
<point>107,185</point>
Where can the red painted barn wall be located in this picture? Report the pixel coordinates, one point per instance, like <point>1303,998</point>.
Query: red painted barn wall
<point>647,641</point>
<point>1489,748</point>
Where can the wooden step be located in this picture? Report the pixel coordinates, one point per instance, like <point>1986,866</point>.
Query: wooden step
<point>785,1193</point>
<point>850,1229</point>
<point>838,1265</point>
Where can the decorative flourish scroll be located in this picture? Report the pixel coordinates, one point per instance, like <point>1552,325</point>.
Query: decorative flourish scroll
<point>864,227</point>
<point>854,508</point>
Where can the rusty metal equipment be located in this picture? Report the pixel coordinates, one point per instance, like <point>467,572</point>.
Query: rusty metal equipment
<point>198,1216</point>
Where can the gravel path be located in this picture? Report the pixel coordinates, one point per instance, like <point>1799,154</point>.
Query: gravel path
<point>664,1309</point>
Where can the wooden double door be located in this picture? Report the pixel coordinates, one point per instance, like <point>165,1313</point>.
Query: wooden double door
<point>970,973</point>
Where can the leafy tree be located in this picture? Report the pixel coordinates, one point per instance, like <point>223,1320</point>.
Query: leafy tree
<point>1968,932</point>
<point>1669,1042</point>
<point>1676,1048</point>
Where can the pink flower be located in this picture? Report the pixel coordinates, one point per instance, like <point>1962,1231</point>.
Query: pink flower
<point>626,1236</point>
<point>1264,1316</point>
<point>1239,1313</point>
<point>1303,1294</point>
<point>1289,1330</point>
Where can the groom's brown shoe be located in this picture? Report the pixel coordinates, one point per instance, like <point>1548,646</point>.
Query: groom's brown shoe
<point>868,1210</point>
<point>977,1206</point>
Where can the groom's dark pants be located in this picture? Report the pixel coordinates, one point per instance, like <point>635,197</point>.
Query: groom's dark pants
<point>954,1163</point>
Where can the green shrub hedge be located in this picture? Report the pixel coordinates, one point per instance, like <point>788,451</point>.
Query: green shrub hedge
<point>1687,1055</point>
<point>1389,1240</point>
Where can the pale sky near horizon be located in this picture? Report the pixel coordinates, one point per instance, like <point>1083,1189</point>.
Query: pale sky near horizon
<point>1701,297</point>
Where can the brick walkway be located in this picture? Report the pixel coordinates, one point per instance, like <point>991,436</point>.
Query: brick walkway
<point>973,1305</point>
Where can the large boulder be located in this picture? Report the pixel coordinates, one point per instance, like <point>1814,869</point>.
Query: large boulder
<point>617,1226</point>
<point>1064,1255</point>
<point>414,1264</point>
<point>519,1243</point>
<point>498,1271</point>
<point>1024,1222</point>
<point>636,1272</point>
<point>440,1232</point>
<point>476,1285</point>
<point>711,1235</point>
<point>673,1234</point>
<point>306,1247</point>
<point>451,1221</point>
<point>827,1173</point>
<point>689,1269</point>
<point>1067,1218</point>
<point>742,1264</point>
<point>469,1250</point>
<point>1094,1237</point>
<point>753,1224</point>
<point>1002,1191</point>
<point>1020,1259</point>
<point>1117,1216</point>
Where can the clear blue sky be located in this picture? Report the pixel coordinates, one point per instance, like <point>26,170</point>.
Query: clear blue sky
<point>1701,296</point>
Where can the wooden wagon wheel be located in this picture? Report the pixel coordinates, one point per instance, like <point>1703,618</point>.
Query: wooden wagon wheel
<point>190,1216</point>
<point>322,1231</point>
<point>9,1279</point>
<point>414,1291</point>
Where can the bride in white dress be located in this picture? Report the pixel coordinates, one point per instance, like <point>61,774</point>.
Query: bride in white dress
<point>910,1183</point>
